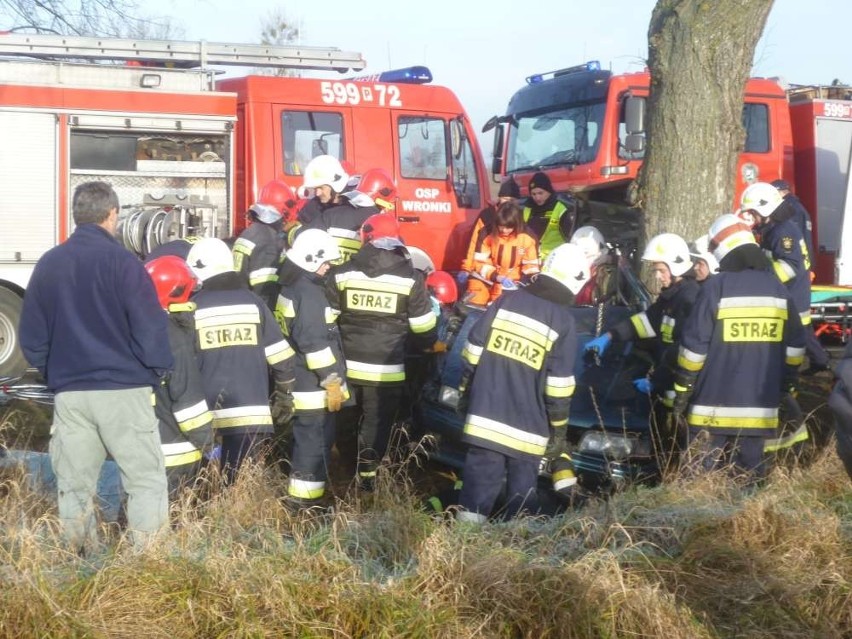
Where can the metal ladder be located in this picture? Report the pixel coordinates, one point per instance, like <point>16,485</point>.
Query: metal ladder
<point>182,54</point>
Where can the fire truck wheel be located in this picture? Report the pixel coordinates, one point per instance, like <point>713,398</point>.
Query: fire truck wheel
<point>12,362</point>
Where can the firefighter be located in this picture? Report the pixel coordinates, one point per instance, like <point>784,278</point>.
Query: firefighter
<point>257,251</point>
<point>550,218</point>
<point>782,241</point>
<point>791,208</point>
<point>375,188</point>
<point>184,417</point>
<point>704,264</point>
<point>239,343</point>
<point>509,192</point>
<point>382,299</point>
<point>331,212</point>
<point>519,359</point>
<point>591,241</point>
<point>740,349</point>
<point>508,256</point>
<point>320,389</point>
<point>663,321</point>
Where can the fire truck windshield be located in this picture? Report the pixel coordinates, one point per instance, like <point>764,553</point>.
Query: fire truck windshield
<point>565,135</point>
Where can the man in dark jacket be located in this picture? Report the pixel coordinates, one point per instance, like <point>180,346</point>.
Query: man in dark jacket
<point>185,419</point>
<point>382,299</point>
<point>91,324</point>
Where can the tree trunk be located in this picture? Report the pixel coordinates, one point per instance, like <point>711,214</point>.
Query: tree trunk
<point>700,56</point>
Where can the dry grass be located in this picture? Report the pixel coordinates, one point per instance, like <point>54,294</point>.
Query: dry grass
<point>692,558</point>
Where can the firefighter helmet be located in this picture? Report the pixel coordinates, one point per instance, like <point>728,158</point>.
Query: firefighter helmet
<point>278,194</point>
<point>702,252</point>
<point>379,226</point>
<point>567,265</point>
<point>442,286</point>
<point>312,248</point>
<point>670,249</point>
<point>173,279</point>
<point>210,257</point>
<point>325,169</point>
<point>379,185</point>
<point>591,241</point>
<point>727,233</point>
<point>761,197</point>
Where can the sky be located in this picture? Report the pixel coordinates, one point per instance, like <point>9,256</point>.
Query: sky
<point>483,51</point>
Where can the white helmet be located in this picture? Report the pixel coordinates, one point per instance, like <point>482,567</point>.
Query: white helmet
<point>312,248</point>
<point>567,265</point>
<point>727,233</point>
<point>670,249</point>
<point>208,257</point>
<point>702,252</point>
<point>761,197</point>
<point>591,241</point>
<point>325,169</point>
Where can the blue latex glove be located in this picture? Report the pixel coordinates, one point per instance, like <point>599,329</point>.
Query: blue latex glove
<point>214,454</point>
<point>436,306</point>
<point>643,385</point>
<point>462,277</point>
<point>507,283</point>
<point>599,344</point>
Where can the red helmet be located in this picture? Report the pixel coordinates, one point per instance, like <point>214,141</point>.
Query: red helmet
<point>442,286</point>
<point>379,185</point>
<point>278,194</point>
<point>378,226</point>
<point>173,279</point>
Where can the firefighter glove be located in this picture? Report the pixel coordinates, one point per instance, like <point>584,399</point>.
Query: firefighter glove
<point>333,386</point>
<point>791,384</point>
<point>212,453</point>
<point>507,283</point>
<point>643,385</point>
<point>438,347</point>
<point>282,402</point>
<point>599,344</point>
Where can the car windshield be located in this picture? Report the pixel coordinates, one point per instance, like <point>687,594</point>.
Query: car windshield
<point>565,135</point>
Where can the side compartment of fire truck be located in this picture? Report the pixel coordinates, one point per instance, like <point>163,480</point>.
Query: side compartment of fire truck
<point>167,154</point>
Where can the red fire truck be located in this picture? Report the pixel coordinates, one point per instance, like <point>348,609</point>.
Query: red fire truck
<point>584,127</point>
<point>187,155</point>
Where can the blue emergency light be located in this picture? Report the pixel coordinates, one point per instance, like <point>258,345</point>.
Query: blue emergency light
<point>408,75</point>
<point>591,65</point>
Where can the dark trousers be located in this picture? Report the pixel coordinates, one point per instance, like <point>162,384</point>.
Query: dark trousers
<point>843,433</point>
<point>483,475</point>
<point>379,407</point>
<point>236,448</point>
<point>313,437</point>
<point>181,477</point>
<point>744,453</point>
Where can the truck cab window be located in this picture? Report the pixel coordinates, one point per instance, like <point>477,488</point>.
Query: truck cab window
<point>756,125</point>
<point>307,134</point>
<point>422,148</point>
<point>565,135</point>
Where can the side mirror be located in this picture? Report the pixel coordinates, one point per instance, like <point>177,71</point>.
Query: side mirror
<point>492,122</point>
<point>634,114</point>
<point>497,152</point>
<point>457,136</point>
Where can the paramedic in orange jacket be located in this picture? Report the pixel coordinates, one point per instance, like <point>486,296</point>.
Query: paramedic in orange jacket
<point>509,192</point>
<point>508,255</point>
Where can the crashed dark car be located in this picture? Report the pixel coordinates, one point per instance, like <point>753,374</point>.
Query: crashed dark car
<point>609,429</point>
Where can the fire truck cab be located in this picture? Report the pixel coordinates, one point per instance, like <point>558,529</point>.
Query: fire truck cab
<point>417,132</point>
